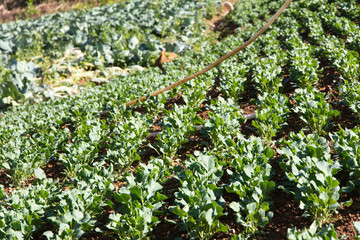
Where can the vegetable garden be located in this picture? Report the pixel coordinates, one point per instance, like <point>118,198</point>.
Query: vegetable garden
<point>68,172</point>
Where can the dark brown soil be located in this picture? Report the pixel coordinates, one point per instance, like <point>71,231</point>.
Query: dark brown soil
<point>5,180</point>
<point>247,129</point>
<point>146,152</point>
<point>294,124</point>
<point>178,100</point>
<point>196,143</point>
<point>221,25</point>
<point>248,108</point>
<point>329,84</point>
<point>230,218</point>
<point>213,94</point>
<point>11,10</point>
<point>344,220</point>
<point>286,211</point>
<point>288,84</point>
<point>55,170</point>
<point>286,215</point>
<point>165,229</point>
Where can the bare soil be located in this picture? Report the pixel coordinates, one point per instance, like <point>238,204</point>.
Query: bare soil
<point>12,10</point>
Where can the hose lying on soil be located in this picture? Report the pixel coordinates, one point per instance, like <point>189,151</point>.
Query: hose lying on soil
<point>214,64</point>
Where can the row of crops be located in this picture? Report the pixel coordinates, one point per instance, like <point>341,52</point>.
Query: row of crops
<point>68,173</point>
<point>65,48</point>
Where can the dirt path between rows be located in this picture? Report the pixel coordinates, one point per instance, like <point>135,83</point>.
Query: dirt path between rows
<point>18,10</point>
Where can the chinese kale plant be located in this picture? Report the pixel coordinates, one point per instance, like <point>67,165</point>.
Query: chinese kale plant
<point>308,165</point>
<point>350,91</point>
<point>267,75</point>
<point>347,147</point>
<point>223,123</point>
<point>140,202</point>
<point>315,232</point>
<point>272,116</point>
<point>177,126</point>
<point>313,109</point>
<point>250,181</point>
<point>199,204</point>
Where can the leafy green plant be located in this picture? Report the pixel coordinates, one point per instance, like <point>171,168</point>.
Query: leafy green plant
<point>211,9</point>
<point>350,91</point>
<point>177,126</point>
<point>250,181</point>
<point>307,163</point>
<point>140,201</point>
<point>340,25</point>
<point>314,232</point>
<point>223,123</point>
<point>266,75</point>
<point>127,139</point>
<point>19,158</point>
<point>195,92</point>
<point>346,145</point>
<point>312,23</point>
<point>272,116</point>
<point>233,79</point>
<point>155,104</point>
<point>73,215</point>
<point>346,61</point>
<point>74,211</point>
<point>77,156</point>
<point>304,69</point>
<point>271,46</point>
<point>70,213</point>
<point>22,211</point>
<point>198,200</point>
<point>313,109</point>
<point>31,9</point>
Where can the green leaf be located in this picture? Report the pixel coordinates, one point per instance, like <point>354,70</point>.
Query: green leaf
<point>325,167</point>
<point>198,121</point>
<point>348,203</point>
<point>251,207</point>
<point>110,203</point>
<point>267,187</point>
<point>39,173</point>
<point>223,228</point>
<point>160,197</point>
<point>357,227</point>
<point>180,212</point>
<point>6,165</point>
<point>153,187</point>
<point>137,192</point>
<point>48,234</point>
<point>269,153</point>
<point>235,206</point>
<point>170,221</point>
<point>133,42</point>
<point>122,198</point>
<point>78,215</point>
<point>5,46</point>
<point>248,170</point>
<point>208,216</point>
<point>94,135</point>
